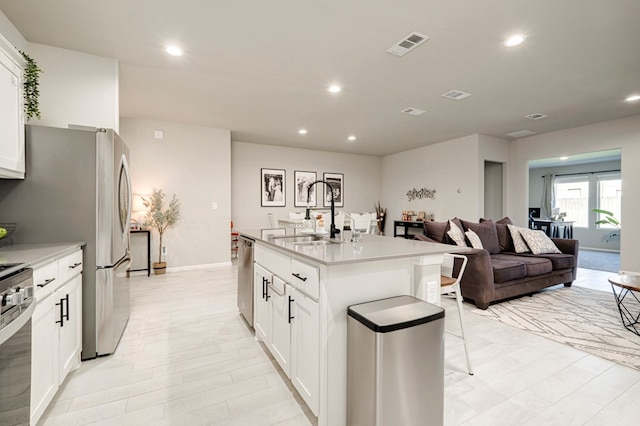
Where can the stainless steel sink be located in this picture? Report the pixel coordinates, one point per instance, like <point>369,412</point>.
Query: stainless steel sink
<point>308,240</point>
<point>317,243</point>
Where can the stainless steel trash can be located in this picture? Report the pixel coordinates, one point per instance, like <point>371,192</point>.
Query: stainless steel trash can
<point>395,363</point>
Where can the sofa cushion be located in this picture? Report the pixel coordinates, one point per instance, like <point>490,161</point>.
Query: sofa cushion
<point>507,270</point>
<point>487,232</point>
<point>504,235</point>
<point>535,265</point>
<point>436,230</point>
<point>558,260</point>
<point>538,242</point>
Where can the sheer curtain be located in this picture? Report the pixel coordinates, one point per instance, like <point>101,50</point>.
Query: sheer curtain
<point>548,196</point>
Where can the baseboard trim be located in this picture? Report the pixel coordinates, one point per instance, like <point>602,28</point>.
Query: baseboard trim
<point>599,249</point>
<point>196,267</point>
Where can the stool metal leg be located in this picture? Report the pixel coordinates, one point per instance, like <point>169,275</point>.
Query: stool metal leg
<point>460,317</point>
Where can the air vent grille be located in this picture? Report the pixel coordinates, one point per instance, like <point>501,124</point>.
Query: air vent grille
<point>456,95</point>
<point>536,116</point>
<point>521,133</point>
<point>413,111</point>
<point>407,44</point>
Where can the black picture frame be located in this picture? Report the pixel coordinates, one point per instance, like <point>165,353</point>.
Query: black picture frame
<point>302,180</point>
<point>273,188</point>
<point>336,180</point>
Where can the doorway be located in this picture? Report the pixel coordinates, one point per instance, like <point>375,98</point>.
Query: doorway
<point>493,190</point>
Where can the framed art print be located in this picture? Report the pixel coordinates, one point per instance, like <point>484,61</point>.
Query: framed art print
<point>302,182</point>
<point>336,180</point>
<point>272,188</point>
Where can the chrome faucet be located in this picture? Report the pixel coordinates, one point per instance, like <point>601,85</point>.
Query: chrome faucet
<point>333,231</point>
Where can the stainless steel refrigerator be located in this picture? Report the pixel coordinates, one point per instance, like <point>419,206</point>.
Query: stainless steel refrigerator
<point>77,188</point>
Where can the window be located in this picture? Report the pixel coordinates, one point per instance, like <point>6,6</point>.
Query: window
<point>572,197</point>
<point>610,197</point>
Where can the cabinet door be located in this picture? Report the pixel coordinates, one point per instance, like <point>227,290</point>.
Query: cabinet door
<point>12,154</point>
<point>305,354</point>
<point>70,328</point>
<point>44,357</point>
<point>261,280</point>
<point>279,328</point>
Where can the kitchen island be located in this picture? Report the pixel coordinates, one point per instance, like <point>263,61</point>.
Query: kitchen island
<point>302,289</point>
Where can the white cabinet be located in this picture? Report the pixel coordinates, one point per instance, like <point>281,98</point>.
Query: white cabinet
<point>56,328</point>
<point>12,116</point>
<point>280,318</point>
<point>305,349</point>
<point>261,277</point>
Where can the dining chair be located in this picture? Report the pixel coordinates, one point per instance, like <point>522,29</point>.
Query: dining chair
<point>296,215</point>
<point>273,222</point>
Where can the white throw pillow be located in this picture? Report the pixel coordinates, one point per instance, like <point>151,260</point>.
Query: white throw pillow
<point>518,241</point>
<point>474,238</point>
<point>456,234</point>
<point>538,242</point>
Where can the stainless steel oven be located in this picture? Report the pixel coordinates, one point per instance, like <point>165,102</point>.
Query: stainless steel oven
<point>17,306</point>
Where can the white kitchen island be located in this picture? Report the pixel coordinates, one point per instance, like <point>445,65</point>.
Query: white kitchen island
<point>301,295</point>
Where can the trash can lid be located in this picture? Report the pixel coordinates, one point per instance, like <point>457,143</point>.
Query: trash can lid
<point>395,313</point>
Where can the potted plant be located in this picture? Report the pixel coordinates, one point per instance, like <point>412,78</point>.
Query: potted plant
<point>160,220</point>
<point>608,220</point>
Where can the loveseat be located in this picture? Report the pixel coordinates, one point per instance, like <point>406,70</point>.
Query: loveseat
<point>497,271</point>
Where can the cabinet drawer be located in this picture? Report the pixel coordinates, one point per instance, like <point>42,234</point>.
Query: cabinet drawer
<point>70,266</point>
<point>305,278</point>
<point>277,263</point>
<point>45,279</point>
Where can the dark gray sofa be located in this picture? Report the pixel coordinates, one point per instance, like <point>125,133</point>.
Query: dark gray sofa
<point>498,273</point>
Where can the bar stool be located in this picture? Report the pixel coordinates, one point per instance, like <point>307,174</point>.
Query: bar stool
<point>453,267</point>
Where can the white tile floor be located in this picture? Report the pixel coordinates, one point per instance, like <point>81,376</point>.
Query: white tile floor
<point>187,358</point>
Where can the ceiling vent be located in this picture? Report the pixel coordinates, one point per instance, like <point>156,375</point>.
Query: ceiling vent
<point>536,116</point>
<point>521,133</point>
<point>413,111</point>
<point>456,95</point>
<point>407,44</point>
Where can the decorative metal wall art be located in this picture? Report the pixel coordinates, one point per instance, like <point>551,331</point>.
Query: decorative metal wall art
<point>414,193</point>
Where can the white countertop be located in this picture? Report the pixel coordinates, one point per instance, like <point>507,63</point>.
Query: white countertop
<point>371,248</point>
<point>34,254</point>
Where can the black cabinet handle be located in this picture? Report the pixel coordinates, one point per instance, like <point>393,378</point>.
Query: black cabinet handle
<point>298,276</point>
<point>264,287</point>
<point>75,265</point>
<point>47,282</point>
<point>290,317</point>
<point>67,299</point>
<point>266,291</point>
<point>61,304</point>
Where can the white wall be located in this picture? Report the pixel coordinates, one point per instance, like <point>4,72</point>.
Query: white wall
<point>11,33</point>
<point>194,163</point>
<point>451,168</point>
<point>362,179</point>
<point>623,133</point>
<point>76,88</point>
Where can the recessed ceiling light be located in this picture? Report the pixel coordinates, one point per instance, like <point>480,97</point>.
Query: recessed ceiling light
<point>352,138</point>
<point>334,88</point>
<point>174,50</point>
<point>302,131</point>
<point>633,98</point>
<point>514,40</point>
<point>565,158</point>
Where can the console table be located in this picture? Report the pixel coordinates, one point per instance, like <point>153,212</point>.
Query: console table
<point>406,225</point>
<point>555,228</point>
<point>148,235</point>
<point>628,286</point>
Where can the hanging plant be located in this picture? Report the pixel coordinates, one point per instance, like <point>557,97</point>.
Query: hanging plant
<point>31,92</point>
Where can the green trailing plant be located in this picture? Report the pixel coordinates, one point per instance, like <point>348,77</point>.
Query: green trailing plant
<point>30,84</point>
<point>609,219</point>
<point>159,218</point>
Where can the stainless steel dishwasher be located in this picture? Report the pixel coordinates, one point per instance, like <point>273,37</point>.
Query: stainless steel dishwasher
<point>245,278</point>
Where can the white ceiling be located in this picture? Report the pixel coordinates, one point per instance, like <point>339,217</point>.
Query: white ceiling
<point>261,68</point>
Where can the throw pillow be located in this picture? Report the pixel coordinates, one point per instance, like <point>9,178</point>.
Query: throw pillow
<point>504,236</point>
<point>436,231</point>
<point>487,233</point>
<point>456,234</point>
<point>474,239</point>
<point>538,241</point>
<point>518,242</point>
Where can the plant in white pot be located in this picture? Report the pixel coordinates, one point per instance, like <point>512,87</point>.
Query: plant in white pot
<point>160,219</point>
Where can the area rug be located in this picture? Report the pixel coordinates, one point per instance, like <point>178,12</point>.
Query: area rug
<point>586,319</point>
<point>599,260</point>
